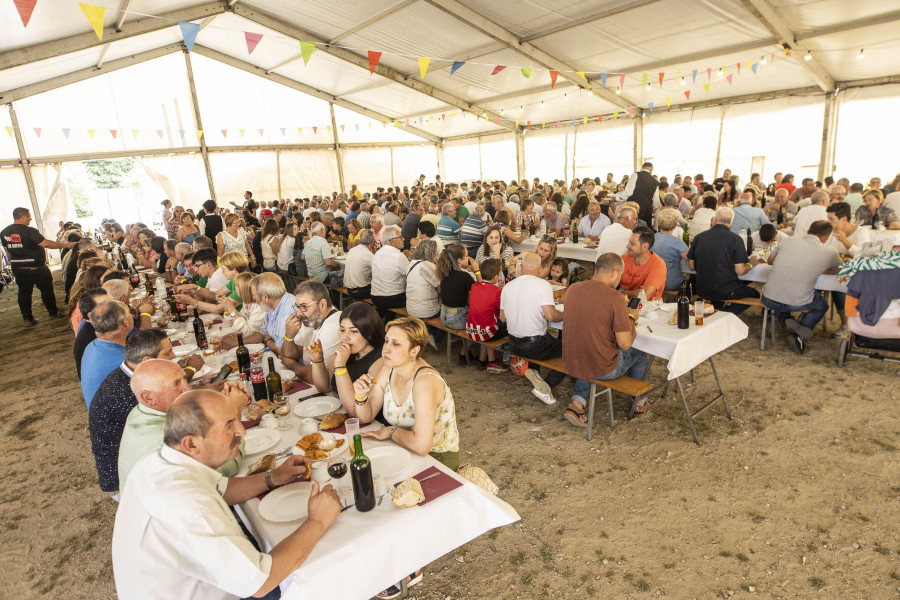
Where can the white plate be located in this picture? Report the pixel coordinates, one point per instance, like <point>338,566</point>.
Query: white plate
<point>260,439</point>
<point>287,503</point>
<point>184,349</point>
<point>317,407</point>
<point>331,453</point>
<point>203,372</point>
<point>388,461</point>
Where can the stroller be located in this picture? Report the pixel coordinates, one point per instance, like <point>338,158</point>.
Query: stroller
<point>871,340</point>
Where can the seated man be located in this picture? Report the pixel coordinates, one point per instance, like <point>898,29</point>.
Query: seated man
<point>448,229</point>
<point>358,272</point>
<point>554,221</point>
<point>112,321</point>
<point>526,306</point>
<point>269,292</point>
<point>176,494</point>
<point>791,286</point>
<point>644,269</point>
<point>120,290</point>
<point>768,237</point>
<point>847,237</point>
<point>114,400</point>
<point>389,267</point>
<point>86,334</point>
<point>670,248</point>
<point>317,254</point>
<point>747,216</point>
<point>809,214</point>
<point>315,320</point>
<point>206,265</point>
<point>597,335</point>
<point>614,238</point>
<point>719,257</point>
<point>591,225</point>
<point>156,384</point>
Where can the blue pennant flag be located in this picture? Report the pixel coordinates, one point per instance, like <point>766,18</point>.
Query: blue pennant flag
<point>189,32</point>
<point>456,65</point>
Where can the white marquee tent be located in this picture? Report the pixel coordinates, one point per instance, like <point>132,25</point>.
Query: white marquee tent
<point>589,87</point>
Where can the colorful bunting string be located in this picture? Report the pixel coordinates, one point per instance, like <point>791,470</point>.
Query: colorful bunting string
<point>25,8</point>
<point>95,15</point>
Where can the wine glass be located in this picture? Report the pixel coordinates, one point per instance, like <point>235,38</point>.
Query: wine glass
<point>282,411</point>
<point>337,468</point>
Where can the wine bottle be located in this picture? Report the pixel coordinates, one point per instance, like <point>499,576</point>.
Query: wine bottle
<point>361,477</point>
<point>575,233</point>
<point>273,380</point>
<point>200,331</point>
<point>134,279</point>
<point>683,308</point>
<point>242,355</point>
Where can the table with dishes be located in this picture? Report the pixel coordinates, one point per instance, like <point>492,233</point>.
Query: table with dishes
<point>564,249</point>
<point>760,274</point>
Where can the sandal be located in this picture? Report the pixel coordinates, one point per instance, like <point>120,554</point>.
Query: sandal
<point>575,418</point>
<point>394,591</point>
<point>642,409</point>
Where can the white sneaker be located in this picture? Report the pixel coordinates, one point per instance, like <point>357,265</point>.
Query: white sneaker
<point>840,333</point>
<point>545,398</point>
<point>538,383</point>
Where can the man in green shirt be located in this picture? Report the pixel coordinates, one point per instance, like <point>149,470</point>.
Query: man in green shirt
<point>156,384</point>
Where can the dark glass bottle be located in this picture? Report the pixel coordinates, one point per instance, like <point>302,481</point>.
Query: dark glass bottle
<point>200,331</point>
<point>683,308</point>
<point>361,476</point>
<point>243,356</point>
<point>273,380</point>
<point>575,233</point>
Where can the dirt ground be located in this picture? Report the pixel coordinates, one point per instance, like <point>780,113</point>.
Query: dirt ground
<point>798,496</point>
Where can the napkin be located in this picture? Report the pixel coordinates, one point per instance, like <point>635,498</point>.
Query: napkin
<point>176,343</point>
<point>249,424</point>
<point>343,429</point>
<point>299,386</point>
<point>436,486</point>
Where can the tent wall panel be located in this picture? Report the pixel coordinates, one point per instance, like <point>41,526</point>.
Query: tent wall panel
<point>498,157</point>
<point>412,161</point>
<point>682,142</point>
<point>182,178</point>
<point>461,162</point>
<point>368,168</point>
<point>15,193</point>
<point>602,148</point>
<point>868,123</point>
<point>304,173</point>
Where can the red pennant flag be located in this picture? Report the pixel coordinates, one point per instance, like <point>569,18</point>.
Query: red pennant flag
<point>709,74</point>
<point>497,69</point>
<point>342,129</point>
<point>739,68</point>
<point>553,76</point>
<point>687,94</point>
<point>443,117</point>
<point>224,133</point>
<point>114,133</point>
<point>599,119</point>
<point>661,75</point>
<point>37,131</point>
<point>730,75</point>
<point>374,57</point>
<point>315,130</point>
<point>252,40</point>
<point>262,132</point>
<point>25,8</point>
<point>528,124</point>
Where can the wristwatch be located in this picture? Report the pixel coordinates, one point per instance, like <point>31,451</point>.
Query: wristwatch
<point>269,483</point>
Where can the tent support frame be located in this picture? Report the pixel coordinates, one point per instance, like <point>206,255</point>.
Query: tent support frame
<point>199,124</point>
<point>26,169</point>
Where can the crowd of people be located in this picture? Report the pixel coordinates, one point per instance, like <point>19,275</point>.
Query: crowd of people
<point>168,447</point>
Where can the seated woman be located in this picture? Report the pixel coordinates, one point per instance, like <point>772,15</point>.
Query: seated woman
<point>546,249</point>
<point>354,227</point>
<point>188,231</point>
<point>453,271</point>
<point>359,353</point>
<point>233,263</point>
<point>422,283</point>
<point>559,272</point>
<point>249,318</point>
<point>503,220</point>
<point>415,400</point>
<point>495,246</point>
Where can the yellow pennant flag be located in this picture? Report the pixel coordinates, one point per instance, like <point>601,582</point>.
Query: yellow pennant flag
<point>581,74</point>
<point>328,127</point>
<point>749,64</point>
<point>669,101</point>
<point>91,133</point>
<point>95,15</point>
<point>134,132</point>
<point>242,132</point>
<point>423,66</point>
<point>517,123</point>
<point>300,130</point>
<point>585,120</point>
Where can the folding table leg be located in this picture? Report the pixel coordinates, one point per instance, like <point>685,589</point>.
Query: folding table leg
<point>719,385</point>
<point>687,411</point>
<point>590,423</point>
<point>404,591</point>
<point>449,352</point>
<point>609,407</point>
<point>762,336</point>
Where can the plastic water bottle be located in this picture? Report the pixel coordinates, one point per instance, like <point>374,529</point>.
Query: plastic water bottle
<point>543,227</point>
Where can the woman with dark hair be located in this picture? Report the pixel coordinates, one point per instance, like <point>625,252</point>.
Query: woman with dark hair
<point>503,220</point>
<point>494,246</point>
<point>90,279</point>
<point>359,353</point>
<point>729,192</point>
<point>558,199</point>
<point>169,219</point>
<point>158,245</point>
<point>269,244</point>
<point>210,223</point>
<point>457,272</point>
<point>579,209</point>
<point>188,230</point>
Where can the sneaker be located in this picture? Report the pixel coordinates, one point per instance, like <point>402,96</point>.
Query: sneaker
<point>540,386</point>
<point>496,367</point>
<point>796,344</point>
<point>841,333</point>
<point>547,399</point>
<point>802,331</point>
<point>30,322</point>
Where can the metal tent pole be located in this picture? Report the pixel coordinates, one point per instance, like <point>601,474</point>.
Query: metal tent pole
<point>26,169</point>
<point>199,124</point>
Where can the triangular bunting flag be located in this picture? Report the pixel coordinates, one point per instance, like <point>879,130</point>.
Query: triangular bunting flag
<point>661,76</point>
<point>616,116</point>
<point>706,87</point>
<point>687,94</point>
<point>299,131</point>
<point>374,57</point>
<point>739,68</point>
<point>543,124</point>
<point>517,123</point>
<point>11,131</point>
<point>669,101</point>
<point>730,76</point>
<point>94,16</point>
<point>581,74</point>
<point>159,132</point>
<point>528,124</point>
<point>261,131</point>
<point>630,111</point>
<point>599,119</point>
<point>306,49</point>
<point>65,132</point>
<point>651,106</point>
<point>342,128</point>
<point>753,68</point>
<point>37,131</point>
<point>506,123</point>
<point>252,40</point>
<point>407,121</point>
<point>553,76</point>
<point>772,58</point>
<point>199,133</point>
<point>695,76</point>
<point>709,74</point>
<point>356,125</point>
<point>315,130</point>
<point>115,133</point>
<point>181,133</point>
<point>91,133</point>
<point>644,78</point>
<point>603,79</point>
<point>25,8</point>
<point>456,65</point>
<point>241,131</point>
<point>370,126</point>
<point>585,120</point>
<point>749,63</point>
<point>497,69</point>
<point>423,66</point>
<point>573,122</point>
<point>526,72</point>
<point>282,131</point>
<point>224,133</point>
<point>328,127</point>
<point>134,133</point>
<point>621,80</point>
<point>189,32</point>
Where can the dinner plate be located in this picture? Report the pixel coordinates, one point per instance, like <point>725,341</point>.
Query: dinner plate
<point>260,439</point>
<point>331,453</point>
<point>317,407</point>
<point>184,349</point>
<point>287,503</point>
<point>668,307</point>
<point>388,461</point>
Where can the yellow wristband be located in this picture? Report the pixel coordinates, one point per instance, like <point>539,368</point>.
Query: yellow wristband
<point>630,316</point>
<point>287,339</point>
<point>340,372</point>
<point>191,368</point>
<point>146,315</point>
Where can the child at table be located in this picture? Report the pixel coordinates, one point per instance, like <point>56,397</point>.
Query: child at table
<point>559,272</point>
<point>482,323</point>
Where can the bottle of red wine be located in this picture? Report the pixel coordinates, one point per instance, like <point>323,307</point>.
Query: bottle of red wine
<point>575,233</point>
<point>273,380</point>
<point>242,355</point>
<point>361,476</point>
<point>200,331</point>
<point>684,308</point>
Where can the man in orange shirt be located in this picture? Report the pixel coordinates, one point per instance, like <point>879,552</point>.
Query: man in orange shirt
<point>643,268</point>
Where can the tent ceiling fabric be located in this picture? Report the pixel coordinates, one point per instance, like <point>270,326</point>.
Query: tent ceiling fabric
<point>629,35</point>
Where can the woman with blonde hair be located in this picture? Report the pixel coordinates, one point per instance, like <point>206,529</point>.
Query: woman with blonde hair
<point>249,317</point>
<point>546,249</point>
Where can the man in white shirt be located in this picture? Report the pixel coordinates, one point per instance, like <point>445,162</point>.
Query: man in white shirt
<point>847,237</point>
<point>526,306</point>
<point>389,266</point>
<point>316,321</point>
<point>358,272</point>
<point>592,224</point>
<point>768,237</point>
<point>614,238</point>
<point>812,213</point>
<point>175,536</point>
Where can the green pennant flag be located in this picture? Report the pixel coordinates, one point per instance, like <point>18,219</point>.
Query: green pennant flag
<point>306,49</point>
<point>526,72</point>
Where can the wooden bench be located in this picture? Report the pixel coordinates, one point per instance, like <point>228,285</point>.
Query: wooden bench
<point>626,385</point>
<point>766,316</point>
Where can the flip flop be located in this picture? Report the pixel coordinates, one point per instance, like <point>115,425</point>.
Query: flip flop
<point>576,419</point>
<point>642,409</point>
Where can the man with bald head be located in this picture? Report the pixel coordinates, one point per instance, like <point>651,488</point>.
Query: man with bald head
<point>175,536</point>
<point>808,215</point>
<point>776,210</point>
<point>112,322</point>
<point>614,238</point>
<point>526,306</point>
<point>837,193</point>
<point>156,384</point>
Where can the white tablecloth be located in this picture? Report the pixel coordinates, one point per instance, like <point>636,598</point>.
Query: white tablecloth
<point>364,553</point>
<point>565,250</point>
<point>760,274</point>
<point>891,235</point>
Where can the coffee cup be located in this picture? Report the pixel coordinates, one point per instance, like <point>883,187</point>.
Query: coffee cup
<point>269,421</point>
<point>308,425</point>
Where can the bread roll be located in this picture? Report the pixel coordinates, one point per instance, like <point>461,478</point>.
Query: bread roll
<point>263,465</point>
<point>332,420</point>
<point>408,494</point>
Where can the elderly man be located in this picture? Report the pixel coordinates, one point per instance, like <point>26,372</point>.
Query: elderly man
<point>598,334</point>
<point>175,493</point>
<point>472,232</point>
<point>112,322</point>
<point>448,228</point>
<point>872,213</point>
<point>807,189</point>
<point>670,248</point>
<point>182,249</point>
<point>614,238</point>
<point>644,269</point>
<point>837,193</point>
<point>554,220</point>
<point>719,257</point>
<point>114,400</point>
<point>156,384</point>
<point>776,210</point>
<point>809,214</point>
<point>269,292</point>
<point>747,216</point>
<point>358,272</point>
<point>591,225</point>
<point>317,254</point>
<point>316,320</point>
<point>389,266</point>
<point>120,290</point>
<point>642,188</point>
<point>85,333</point>
<point>433,215</point>
<point>526,306</point>
<point>376,224</point>
<point>797,265</point>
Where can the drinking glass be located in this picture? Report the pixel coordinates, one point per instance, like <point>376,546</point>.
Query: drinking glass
<point>337,468</point>
<point>699,308</point>
<point>281,406</point>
